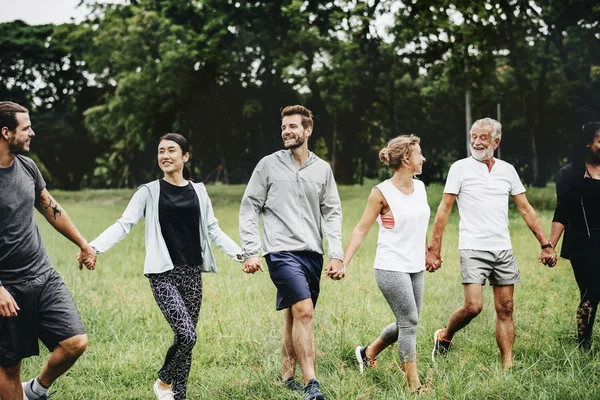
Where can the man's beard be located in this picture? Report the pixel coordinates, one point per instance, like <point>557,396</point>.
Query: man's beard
<point>594,157</point>
<point>17,148</point>
<point>299,142</point>
<point>482,155</point>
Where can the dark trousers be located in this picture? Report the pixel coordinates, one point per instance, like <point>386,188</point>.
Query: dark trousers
<point>586,268</point>
<point>178,293</point>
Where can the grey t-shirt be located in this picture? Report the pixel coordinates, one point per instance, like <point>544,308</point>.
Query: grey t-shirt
<point>22,253</point>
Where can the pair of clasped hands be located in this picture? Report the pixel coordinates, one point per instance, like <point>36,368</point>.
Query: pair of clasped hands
<point>336,269</point>
<point>87,256</point>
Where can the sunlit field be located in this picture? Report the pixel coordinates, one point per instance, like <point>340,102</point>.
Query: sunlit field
<point>237,355</point>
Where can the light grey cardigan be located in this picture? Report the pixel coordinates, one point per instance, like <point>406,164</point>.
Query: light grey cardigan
<point>144,203</point>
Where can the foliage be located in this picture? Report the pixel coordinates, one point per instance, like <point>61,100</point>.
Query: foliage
<point>103,91</point>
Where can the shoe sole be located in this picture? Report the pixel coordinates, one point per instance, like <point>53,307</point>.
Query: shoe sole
<point>361,364</point>
<point>435,343</point>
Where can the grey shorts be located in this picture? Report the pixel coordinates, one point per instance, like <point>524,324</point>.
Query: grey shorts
<point>499,267</point>
<point>47,312</point>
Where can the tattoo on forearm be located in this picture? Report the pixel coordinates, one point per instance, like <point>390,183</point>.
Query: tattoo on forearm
<point>48,203</point>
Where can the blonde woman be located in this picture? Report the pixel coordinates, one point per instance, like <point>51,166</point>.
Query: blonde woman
<point>399,205</point>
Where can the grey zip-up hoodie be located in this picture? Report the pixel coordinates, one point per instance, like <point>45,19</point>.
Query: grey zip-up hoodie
<point>294,203</point>
<point>144,203</point>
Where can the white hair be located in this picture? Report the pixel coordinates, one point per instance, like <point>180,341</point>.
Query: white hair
<point>496,127</point>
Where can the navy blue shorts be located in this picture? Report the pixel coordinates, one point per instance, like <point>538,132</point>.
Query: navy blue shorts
<point>47,312</point>
<point>296,275</point>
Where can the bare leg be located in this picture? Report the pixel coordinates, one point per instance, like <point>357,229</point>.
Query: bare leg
<point>62,358</point>
<point>10,383</point>
<point>471,308</point>
<point>287,347</point>
<point>303,337</point>
<point>505,325</point>
<point>412,376</point>
<point>376,347</point>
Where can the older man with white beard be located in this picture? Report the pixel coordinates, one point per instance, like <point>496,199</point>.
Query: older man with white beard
<point>481,185</point>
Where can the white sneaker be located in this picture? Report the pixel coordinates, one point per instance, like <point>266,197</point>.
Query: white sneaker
<point>162,394</point>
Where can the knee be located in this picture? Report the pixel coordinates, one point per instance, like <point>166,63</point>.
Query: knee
<point>75,346</point>
<point>408,324</point>
<point>473,309</point>
<point>302,313</point>
<point>187,339</point>
<point>504,309</point>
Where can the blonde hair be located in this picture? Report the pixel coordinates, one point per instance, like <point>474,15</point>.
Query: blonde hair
<point>397,149</point>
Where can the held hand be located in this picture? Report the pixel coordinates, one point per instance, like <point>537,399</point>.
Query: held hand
<point>87,257</point>
<point>548,257</point>
<point>433,260</point>
<point>252,264</point>
<point>336,269</point>
<point>8,305</point>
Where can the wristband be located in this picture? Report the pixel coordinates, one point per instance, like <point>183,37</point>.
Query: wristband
<point>547,246</point>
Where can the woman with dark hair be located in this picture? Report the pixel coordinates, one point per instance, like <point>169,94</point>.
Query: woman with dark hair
<point>179,222</point>
<point>578,215</point>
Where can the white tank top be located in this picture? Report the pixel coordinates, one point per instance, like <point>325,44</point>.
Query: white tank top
<point>402,248</point>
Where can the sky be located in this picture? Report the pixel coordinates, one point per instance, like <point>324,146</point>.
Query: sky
<point>36,12</point>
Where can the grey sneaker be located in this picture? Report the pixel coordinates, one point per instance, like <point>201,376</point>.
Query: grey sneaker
<point>29,394</point>
<point>312,391</point>
<point>292,384</point>
<point>363,359</point>
<point>440,346</point>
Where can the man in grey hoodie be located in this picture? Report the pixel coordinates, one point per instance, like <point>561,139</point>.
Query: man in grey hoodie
<point>295,192</point>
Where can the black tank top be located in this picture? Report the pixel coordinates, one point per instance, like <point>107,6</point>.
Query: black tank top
<point>179,217</point>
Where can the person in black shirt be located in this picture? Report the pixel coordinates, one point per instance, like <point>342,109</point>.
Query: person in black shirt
<point>577,213</point>
<point>179,224</point>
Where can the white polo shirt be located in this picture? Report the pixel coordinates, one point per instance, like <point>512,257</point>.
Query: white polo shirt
<point>482,198</point>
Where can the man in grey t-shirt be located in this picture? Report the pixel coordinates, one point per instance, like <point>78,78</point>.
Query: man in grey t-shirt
<point>34,301</point>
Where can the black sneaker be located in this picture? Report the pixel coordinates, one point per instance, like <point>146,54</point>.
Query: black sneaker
<point>312,391</point>
<point>440,346</point>
<point>363,359</point>
<point>292,384</point>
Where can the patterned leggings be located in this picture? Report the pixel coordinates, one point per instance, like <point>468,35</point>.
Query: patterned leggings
<point>178,293</point>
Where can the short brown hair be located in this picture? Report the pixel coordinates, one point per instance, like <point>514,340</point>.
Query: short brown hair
<point>305,113</point>
<point>396,149</point>
<point>8,114</point>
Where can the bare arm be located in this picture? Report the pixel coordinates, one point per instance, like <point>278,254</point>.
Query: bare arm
<point>433,257</point>
<point>58,218</point>
<point>556,232</point>
<point>373,208</point>
<point>548,255</point>
<point>530,217</point>
<point>441,219</point>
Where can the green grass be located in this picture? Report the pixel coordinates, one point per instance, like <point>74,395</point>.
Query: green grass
<point>237,355</point>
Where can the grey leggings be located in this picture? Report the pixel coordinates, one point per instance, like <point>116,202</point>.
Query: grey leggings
<point>404,292</point>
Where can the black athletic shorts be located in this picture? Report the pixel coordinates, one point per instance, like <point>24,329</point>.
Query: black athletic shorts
<point>297,276</point>
<point>47,312</point>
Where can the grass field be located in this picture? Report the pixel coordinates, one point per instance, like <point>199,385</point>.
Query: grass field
<point>237,355</point>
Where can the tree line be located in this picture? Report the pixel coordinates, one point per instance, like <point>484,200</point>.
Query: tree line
<point>103,90</point>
